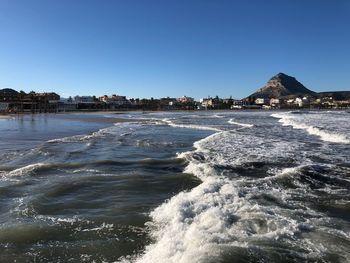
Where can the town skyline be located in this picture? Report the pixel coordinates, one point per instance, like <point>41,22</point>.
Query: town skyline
<point>172,48</point>
<point>280,92</point>
<point>158,97</point>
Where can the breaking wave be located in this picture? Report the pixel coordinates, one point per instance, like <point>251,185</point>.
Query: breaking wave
<point>27,169</point>
<point>225,213</point>
<point>324,135</point>
<point>231,121</point>
<point>190,126</point>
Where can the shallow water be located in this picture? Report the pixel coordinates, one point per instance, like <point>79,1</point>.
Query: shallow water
<point>176,187</point>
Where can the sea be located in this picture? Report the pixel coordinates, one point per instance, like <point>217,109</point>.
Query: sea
<point>177,187</point>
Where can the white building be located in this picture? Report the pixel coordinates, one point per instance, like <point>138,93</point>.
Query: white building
<point>260,101</point>
<point>299,102</point>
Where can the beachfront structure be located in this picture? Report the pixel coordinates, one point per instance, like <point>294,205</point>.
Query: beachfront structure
<point>274,103</point>
<point>85,103</point>
<point>185,99</point>
<point>31,102</point>
<point>260,101</point>
<point>67,105</point>
<point>210,103</point>
<point>114,100</point>
<point>84,99</point>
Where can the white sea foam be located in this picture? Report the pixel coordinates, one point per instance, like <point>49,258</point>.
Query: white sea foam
<point>70,139</point>
<point>289,120</point>
<point>104,226</point>
<point>28,169</point>
<point>197,226</point>
<point>231,121</point>
<point>234,149</point>
<point>190,126</point>
<point>218,116</point>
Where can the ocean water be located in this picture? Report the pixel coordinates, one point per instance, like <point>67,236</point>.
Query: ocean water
<point>176,187</point>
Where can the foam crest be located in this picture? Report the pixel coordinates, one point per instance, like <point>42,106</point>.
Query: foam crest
<point>231,121</point>
<point>232,150</point>
<point>27,169</point>
<point>324,135</point>
<point>190,126</point>
<point>70,139</point>
<point>191,225</point>
<point>197,226</point>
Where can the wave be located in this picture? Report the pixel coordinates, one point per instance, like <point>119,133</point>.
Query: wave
<point>231,121</point>
<point>70,139</point>
<point>227,213</point>
<point>27,169</point>
<point>326,136</point>
<point>190,126</point>
<point>197,226</point>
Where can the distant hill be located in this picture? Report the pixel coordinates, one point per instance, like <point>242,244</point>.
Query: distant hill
<point>8,91</point>
<point>282,85</point>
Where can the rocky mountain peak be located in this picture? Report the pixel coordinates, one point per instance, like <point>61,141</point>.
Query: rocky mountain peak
<point>281,85</point>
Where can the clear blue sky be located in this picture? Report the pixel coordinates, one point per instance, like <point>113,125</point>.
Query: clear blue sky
<point>172,48</point>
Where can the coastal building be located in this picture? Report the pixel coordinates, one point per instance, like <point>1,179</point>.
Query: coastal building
<point>114,99</point>
<point>299,102</point>
<point>84,99</point>
<point>65,105</point>
<point>28,102</point>
<point>211,103</point>
<point>260,101</point>
<point>38,102</point>
<point>274,103</point>
<point>116,102</point>
<point>87,103</point>
<point>185,99</point>
<point>237,105</point>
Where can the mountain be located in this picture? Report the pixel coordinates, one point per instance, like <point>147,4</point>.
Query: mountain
<point>282,85</point>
